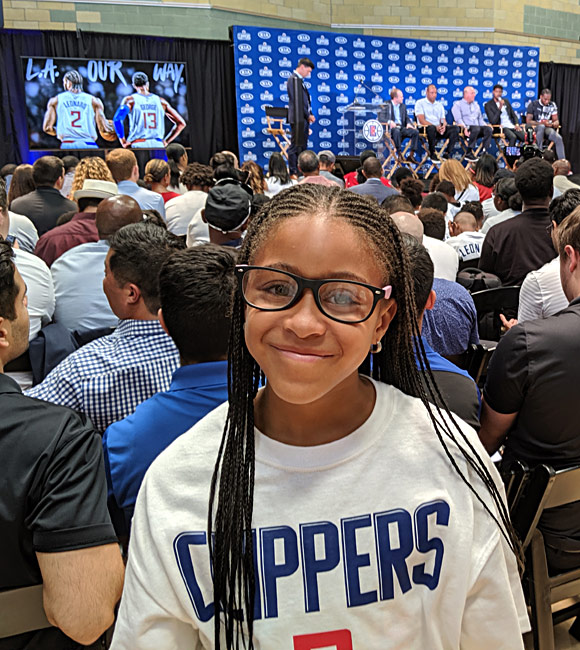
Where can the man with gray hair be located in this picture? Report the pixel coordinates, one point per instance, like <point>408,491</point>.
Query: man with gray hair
<point>467,113</point>
<point>327,160</point>
<point>309,167</point>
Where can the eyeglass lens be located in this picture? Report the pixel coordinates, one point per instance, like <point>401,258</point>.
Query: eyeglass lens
<point>270,289</point>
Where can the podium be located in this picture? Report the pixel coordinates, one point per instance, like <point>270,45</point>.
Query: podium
<point>351,125</point>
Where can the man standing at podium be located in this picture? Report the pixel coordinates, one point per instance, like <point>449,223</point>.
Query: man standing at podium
<point>299,112</point>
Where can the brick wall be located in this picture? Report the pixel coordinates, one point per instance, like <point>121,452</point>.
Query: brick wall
<point>501,21</point>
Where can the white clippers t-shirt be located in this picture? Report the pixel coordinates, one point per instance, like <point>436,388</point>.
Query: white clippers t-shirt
<point>371,542</point>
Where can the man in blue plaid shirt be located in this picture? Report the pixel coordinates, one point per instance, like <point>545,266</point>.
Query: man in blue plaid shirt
<point>109,377</point>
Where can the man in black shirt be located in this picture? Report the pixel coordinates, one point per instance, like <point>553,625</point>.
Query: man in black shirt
<point>54,525</point>
<point>46,204</point>
<point>515,247</point>
<point>531,397</point>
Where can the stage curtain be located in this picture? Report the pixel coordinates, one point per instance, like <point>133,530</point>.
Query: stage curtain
<point>210,82</point>
<point>564,80</point>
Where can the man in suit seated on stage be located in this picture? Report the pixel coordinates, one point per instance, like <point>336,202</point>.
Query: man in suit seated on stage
<point>467,113</point>
<point>500,112</point>
<point>373,186</point>
<point>394,114</point>
<point>299,112</point>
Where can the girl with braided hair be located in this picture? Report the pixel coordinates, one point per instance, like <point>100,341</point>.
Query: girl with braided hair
<point>334,506</point>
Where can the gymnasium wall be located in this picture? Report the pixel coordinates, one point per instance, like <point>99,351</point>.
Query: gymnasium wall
<point>508,22</point>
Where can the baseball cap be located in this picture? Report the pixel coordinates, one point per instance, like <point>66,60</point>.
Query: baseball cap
<point>227,207</point>
<point>331,157</point>
<point>95,189</point>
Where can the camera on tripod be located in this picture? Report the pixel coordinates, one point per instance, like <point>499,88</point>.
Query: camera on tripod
<point>527,151</point>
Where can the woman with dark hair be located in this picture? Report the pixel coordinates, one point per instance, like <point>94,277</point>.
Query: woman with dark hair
<point>485,169</point>
<point>177,159</point>
<point>21,183</point>
<point>507,202</point>
<point>345,509</point>
<point>412,189</point>
<point>278,177</point>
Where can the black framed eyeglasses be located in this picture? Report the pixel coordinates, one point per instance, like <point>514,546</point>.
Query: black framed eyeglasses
<point>345,301</point>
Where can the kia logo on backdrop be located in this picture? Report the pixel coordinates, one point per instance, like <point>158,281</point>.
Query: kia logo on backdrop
<point>246,97</point>
<point>326,145</point>
<point>341,63</point>
<point>410,67</point>
<point>323,98</point>
<point>341,86</point>
<point>473,70</point>
<point>248,120</point>
<point>284,49</point>
<point>246,72</point>
<point>244,47</point>
<point>393,57</point>
<point>532,52</point>
<point>249,144</point>
<point>266,83</point>
<point>341,40</point>
<point>264,35</point>
<point>458,60</point>
<point>442,68</point>
<point>377,43</point>
<point>517,64</point>
<point>358,54</point>
<point>503,51</point>
<point>284,74</point>
<point>321,51</point>
<point>394,80</point>
<point>474,49</point>
<point>426,59</point>
<point>443,47</point>
<point>303,37</point>
<point>324,122</point>
<point>323,75</point>
<point>426,81</point>
<point>265,59</point>
<point>517,84</point>
<point>410,89</point>
<point>410,45</point>
<point>377,66</point>
<point>488,62</point>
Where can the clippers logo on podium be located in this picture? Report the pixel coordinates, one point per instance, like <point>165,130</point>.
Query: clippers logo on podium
<point>358,63</point>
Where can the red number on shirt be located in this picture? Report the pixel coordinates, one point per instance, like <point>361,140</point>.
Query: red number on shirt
<point>339,639</point>
<point>150,120</point>
<point>75,119</point>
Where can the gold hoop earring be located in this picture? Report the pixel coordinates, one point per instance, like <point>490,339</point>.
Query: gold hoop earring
<point>376,347</point>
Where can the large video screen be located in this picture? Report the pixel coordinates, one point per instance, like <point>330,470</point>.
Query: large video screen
<point>100,103</point>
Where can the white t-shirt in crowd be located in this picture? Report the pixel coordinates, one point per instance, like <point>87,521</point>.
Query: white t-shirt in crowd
<point>499,218</point>
<point>541,294</point>
<point>467,245</point>
<point>197,231</point>
<point>180,210</point>
<point>470,193</point>
<point>274,186</point>
<point>489,209</point>
<point>444,258</point>
<point>373,541</point>
<point>23,230</point>
<point>40,289</point>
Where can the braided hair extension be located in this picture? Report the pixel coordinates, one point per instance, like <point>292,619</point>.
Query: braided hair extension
<point>401,363</point>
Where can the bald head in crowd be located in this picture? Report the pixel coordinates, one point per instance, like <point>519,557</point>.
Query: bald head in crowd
<point>562,168</point>
<point>116,212</point>
<point>409,223</point>
<point>372,168</point>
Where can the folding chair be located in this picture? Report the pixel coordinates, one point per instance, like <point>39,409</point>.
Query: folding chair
<point>463,142</point>
<point>391,161</point>
<point>276,116</point>
<point>441,147</point>
<point>544,489</point>
<point>500,141</point>
<point>489,304</point>
<point>476,360</point>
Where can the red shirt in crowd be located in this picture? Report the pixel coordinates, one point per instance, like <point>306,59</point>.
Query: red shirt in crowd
<point>81,229</point>
<point>350,180</point>
<point>167,196</point>
<point>484,191</point>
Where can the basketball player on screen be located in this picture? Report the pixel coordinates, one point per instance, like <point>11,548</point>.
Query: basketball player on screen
<point>147,114</point>
<point>73,116</point>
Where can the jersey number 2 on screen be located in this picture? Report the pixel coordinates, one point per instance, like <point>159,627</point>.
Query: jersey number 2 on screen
<point>150,120</point>
<point>339,639</point>
<point>75,119</point>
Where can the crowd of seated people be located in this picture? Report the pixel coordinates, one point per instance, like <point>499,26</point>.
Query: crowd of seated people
<point>132,286</point>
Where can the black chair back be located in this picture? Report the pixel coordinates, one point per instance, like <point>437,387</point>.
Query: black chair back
<point>489,304</point>
<point>277,112</point>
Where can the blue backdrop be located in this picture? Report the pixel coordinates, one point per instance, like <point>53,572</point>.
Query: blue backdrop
<point>365,68</point>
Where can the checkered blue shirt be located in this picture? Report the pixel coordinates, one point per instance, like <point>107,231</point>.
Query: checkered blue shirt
<point>108,378</point>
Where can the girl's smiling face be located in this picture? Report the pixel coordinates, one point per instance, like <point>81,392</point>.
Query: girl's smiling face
<point>304,354</point>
